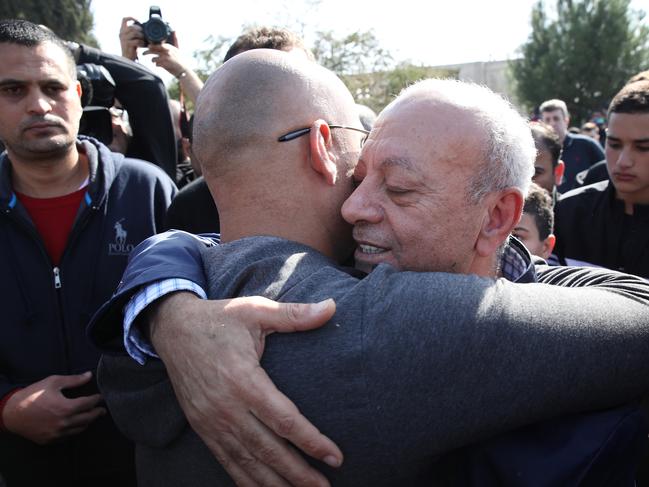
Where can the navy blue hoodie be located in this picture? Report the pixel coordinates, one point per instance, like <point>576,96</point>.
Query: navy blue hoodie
<point>45,308</point>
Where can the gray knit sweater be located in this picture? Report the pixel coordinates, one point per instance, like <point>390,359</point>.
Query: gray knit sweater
<point>412,365</point>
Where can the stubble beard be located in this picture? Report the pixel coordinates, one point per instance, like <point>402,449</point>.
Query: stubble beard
<point>45,148</point>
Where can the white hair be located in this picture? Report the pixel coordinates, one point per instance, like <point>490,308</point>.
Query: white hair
<point>510,152</point>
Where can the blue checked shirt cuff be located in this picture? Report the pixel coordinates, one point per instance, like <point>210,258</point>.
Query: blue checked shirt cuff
<point>137,346</point>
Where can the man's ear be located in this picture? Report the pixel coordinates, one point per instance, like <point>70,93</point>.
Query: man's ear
<point>504,212</point>
<point>548,245</point>
<point>559,169</point>
<point>320,151</point>
<point>79,89</point>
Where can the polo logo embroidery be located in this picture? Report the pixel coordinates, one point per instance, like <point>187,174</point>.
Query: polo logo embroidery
<point>119,246</point>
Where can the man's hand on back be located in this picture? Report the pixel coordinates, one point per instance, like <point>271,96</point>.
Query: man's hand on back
<point>211,350</point>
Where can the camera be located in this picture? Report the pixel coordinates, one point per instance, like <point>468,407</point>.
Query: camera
<point>155,30</point>
<point>98,86</point>
<point>98,95</point>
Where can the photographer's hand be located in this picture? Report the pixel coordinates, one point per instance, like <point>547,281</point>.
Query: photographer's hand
<point>168,57</point>
<point>130,38</point>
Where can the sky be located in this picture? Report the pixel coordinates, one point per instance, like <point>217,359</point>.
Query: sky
<point>432,33</point>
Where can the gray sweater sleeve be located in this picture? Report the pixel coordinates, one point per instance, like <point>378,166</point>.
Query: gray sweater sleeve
<point>451,359</point>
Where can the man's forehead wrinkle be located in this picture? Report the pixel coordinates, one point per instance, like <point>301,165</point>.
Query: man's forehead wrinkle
<point>396,161</point>
<point>46,56</point>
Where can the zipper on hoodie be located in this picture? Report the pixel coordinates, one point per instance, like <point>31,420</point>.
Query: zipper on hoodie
<point>57,278</point>
<point>56,273</point>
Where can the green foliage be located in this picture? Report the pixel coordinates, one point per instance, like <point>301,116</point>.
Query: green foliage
<point>173,89</point>
<point>355,53</point>
<point>211,57</point>
<point>364,66</point>
<point>583,57</point>
<point>367,69</point>
<point>72,20</point>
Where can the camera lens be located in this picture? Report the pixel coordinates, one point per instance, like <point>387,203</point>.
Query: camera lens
<point>156,31</point>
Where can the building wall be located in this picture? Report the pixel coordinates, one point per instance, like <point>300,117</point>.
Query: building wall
<point>493,74</point>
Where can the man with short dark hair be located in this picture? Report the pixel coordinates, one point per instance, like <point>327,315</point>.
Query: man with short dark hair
<point>548,166</point>
<point>607,223</point>
<point>71,211</point>
<point>579,152</point>
<point>267,38</point>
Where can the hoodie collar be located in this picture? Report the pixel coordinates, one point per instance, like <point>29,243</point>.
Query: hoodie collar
<point>100,175</point>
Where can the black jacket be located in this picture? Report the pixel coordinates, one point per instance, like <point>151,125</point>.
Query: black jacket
<point>591,227</point>
<point>193,210</point>
<point>45,308</point>
<point>579,153</point>
<point>144,96</point>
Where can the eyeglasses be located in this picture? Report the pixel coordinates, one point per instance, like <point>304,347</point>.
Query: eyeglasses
<point>294,134</point>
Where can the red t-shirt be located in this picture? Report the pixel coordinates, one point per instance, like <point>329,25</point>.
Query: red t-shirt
<point>53,218</point>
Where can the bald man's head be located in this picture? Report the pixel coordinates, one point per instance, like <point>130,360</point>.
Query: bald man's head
<point>262,186</point>
<point>257,96</point>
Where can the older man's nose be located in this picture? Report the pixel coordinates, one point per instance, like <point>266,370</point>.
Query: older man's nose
<point>361,206</point>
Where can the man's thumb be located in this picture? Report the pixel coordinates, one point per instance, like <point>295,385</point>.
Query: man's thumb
<point>303,316</point>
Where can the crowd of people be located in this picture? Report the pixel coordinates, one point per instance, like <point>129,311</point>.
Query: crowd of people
<point>443,294</point>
